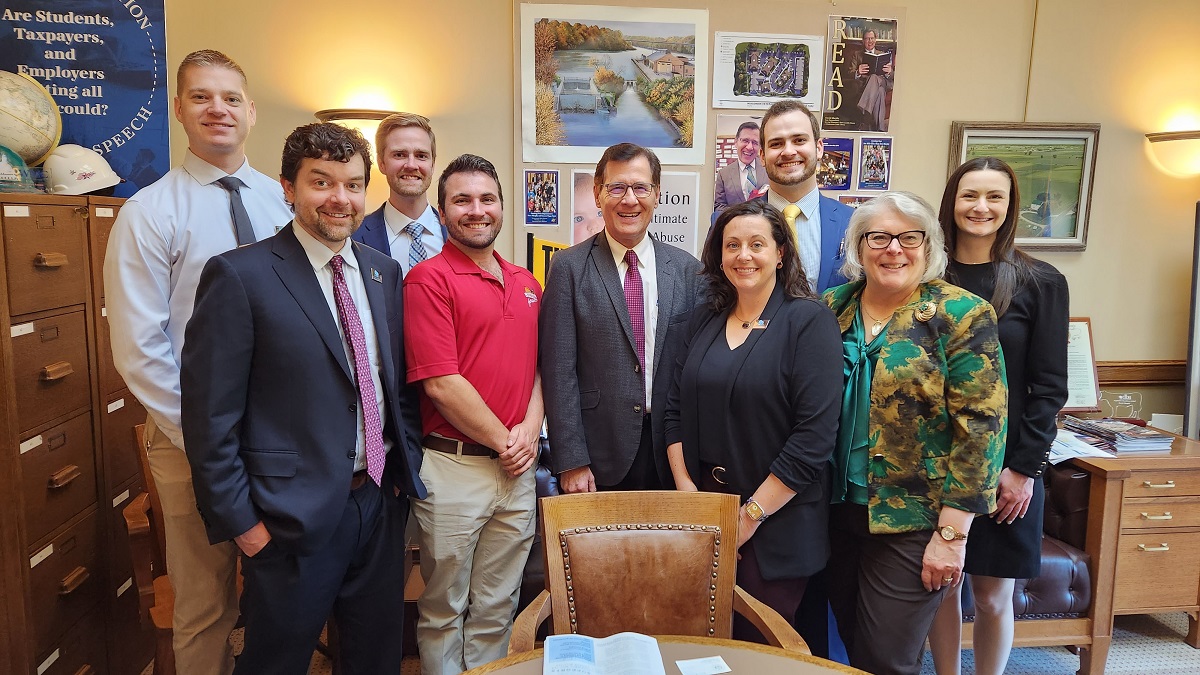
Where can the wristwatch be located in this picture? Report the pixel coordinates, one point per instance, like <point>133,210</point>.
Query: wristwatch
<point>949,533</point>
<point>755,511</point>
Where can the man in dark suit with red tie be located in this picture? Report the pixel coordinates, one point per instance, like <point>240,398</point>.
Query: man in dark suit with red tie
<point>302,436</point>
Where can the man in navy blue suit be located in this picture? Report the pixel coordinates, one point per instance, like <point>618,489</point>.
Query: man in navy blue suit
<point>791,147</point>
<point>302,436</point>
<point>406,227</point>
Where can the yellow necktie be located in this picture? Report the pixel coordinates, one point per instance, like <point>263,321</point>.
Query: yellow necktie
<point>789,214</point>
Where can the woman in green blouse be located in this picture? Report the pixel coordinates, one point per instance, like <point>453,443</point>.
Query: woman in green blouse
<point>922,432</point>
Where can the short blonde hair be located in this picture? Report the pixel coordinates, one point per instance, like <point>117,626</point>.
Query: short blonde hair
<point>398,121</point>
<point>913,209</point>
<point>206,58</point>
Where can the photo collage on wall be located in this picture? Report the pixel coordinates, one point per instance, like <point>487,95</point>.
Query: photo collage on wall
<point>592,76</point>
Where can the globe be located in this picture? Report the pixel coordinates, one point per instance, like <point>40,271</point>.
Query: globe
<point>29,121</point>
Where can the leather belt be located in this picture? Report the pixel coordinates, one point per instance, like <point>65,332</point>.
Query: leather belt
<point>358,479</point>
<point>453,447</point>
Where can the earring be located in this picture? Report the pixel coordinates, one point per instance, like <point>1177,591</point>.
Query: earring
<point>779,265</point>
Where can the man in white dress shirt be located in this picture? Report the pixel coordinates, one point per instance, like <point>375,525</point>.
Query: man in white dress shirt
<point>406,227</point>
<point>161,240</point>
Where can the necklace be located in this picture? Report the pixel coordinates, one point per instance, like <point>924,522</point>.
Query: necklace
<point>745,324</point>
<point>876,327</point>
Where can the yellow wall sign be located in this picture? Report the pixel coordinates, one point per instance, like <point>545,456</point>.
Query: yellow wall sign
<point>539,253</point>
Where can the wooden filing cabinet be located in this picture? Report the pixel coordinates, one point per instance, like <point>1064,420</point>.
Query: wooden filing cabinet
<point>1144,539</point>
<point>63,457</point>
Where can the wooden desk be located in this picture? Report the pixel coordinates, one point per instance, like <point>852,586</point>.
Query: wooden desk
<point>1143,536</point>
<point>742,657</point>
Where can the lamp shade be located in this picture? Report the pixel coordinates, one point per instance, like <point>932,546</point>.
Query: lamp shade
<point>1178,152</point>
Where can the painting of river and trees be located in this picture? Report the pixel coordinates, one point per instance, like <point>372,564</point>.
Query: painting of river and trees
<point>591,77</point>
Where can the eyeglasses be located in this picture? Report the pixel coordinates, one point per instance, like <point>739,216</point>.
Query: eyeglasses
<point>910,239</point>
<point>640,190</point>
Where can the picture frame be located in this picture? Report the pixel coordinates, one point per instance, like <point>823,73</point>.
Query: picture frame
<point>1055,166</point>
<point>1083,380</point>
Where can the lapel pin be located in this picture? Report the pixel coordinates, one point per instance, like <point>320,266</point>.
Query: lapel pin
<point>925,311</point>
<point>376,276</point>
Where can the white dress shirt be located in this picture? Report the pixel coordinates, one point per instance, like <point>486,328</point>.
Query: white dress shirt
<point>647,268</point>
<point>159,243</point>
<point>400,242</point>
<point>808,231</point>
<point>319,256</point>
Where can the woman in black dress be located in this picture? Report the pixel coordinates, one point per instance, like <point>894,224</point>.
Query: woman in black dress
<point>754,406</point>
<point>978,216</point>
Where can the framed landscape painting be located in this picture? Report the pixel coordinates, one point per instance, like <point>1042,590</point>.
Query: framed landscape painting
<point>1055,166</point>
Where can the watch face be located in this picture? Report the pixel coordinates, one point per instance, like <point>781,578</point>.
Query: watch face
<point>754,511</point>
<point>949,533</point>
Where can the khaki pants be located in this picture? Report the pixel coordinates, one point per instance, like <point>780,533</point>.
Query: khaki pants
<point>476,529</point>
<point>203,575</point>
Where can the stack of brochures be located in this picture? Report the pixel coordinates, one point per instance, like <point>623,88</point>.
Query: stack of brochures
<point>1122,436</point>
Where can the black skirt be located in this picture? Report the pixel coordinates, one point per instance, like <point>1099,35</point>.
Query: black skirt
<point>1008,551</point>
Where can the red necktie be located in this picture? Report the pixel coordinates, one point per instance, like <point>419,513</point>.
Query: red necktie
<point>636,303</point>
<point>353,331</point>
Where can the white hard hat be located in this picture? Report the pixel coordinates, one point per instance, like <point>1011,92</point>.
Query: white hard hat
<point>76,170</point>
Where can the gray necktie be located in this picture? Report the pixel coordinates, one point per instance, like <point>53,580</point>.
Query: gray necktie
<point>241,220</point>
<point>416,252</point>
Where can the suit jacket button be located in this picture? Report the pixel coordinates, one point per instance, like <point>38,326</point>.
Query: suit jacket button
<point>637,368</point>
<point>353,407</point>
<point>351,454</point>
<point>637,408</point>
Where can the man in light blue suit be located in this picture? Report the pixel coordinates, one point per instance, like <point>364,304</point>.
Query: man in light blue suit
<point>790,135</point>
<point>406,227</point>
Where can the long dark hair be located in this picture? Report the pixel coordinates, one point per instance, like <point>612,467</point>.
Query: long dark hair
<point>721,294</point>
<point>1014,268</point>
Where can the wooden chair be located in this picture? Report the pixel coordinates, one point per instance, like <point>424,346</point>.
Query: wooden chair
<point>654,562</point>
<point>147,544</point>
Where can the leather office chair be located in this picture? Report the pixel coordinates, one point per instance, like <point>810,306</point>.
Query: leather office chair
<point>147,544</point>
<point>654,562</point>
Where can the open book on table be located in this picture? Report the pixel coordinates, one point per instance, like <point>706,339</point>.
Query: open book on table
<point>620,654</point>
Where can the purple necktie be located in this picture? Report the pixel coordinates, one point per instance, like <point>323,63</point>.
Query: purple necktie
<point>636,303</point>
<point>353,331</point>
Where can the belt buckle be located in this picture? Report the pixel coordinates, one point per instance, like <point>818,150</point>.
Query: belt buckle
<point>715,469</point>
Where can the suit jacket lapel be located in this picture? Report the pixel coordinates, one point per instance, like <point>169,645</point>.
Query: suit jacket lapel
<point>606,267</point>
<point>378,316</point>
<point>831,241</point>
<point>665,275</point>
<point>296,273</point>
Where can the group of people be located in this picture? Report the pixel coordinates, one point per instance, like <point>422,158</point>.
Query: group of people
<point>312,373</point>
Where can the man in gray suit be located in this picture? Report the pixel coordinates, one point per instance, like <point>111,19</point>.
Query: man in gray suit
<point>604,346</point>
<point>737,180</point>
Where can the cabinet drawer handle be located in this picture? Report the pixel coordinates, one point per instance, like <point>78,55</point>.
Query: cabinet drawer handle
<point>1158,486</point>
<point>73,580</point>
<point>56,371</point>
<point>86,669</point>
<point>50,260</point>
<point>1147,549</point>
<point>65,475</point>
<point>1165,516</point>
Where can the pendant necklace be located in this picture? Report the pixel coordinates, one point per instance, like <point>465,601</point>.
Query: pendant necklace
<point>745,324</point>
<point>877,326</point>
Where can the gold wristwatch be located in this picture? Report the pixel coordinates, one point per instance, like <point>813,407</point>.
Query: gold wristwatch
<point>755,511</point>
<point>949,533</point>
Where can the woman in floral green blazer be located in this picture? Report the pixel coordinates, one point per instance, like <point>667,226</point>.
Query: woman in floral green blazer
<point>922,431</point>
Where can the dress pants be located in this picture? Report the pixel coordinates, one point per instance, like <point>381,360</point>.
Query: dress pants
<point>358,576</point>
<point>883,611</point>
<point>476,528</point>
<point>202,575</point>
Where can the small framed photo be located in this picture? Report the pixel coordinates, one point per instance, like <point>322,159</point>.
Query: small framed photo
<point>1055,166</point>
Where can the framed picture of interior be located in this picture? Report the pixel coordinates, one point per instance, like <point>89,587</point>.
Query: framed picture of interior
<point>1055,165</point>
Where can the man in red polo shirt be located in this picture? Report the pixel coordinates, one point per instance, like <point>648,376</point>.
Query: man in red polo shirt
<point>470,339</point>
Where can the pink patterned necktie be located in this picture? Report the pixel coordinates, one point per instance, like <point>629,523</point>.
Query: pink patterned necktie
<point>636,303</point>
<point>352,330</point>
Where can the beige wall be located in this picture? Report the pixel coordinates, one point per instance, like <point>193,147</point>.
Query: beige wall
<point>1123,65</point>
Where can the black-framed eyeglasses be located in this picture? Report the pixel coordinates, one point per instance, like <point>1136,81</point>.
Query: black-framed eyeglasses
<point>640,190</point>
<point>910,239</point>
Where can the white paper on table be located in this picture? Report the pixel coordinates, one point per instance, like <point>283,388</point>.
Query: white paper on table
<point>709,665</point>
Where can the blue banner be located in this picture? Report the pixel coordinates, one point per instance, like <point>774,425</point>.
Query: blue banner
<point>104,62</point>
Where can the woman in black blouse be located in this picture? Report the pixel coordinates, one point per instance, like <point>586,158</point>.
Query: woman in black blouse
<point>755,404</point>
<point>979,215</point>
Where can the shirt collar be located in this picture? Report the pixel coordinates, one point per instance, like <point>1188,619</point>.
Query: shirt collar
<point>808,203</point>
<point>207,174</point>
<point>319,254</point>
<point>644,250</point>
